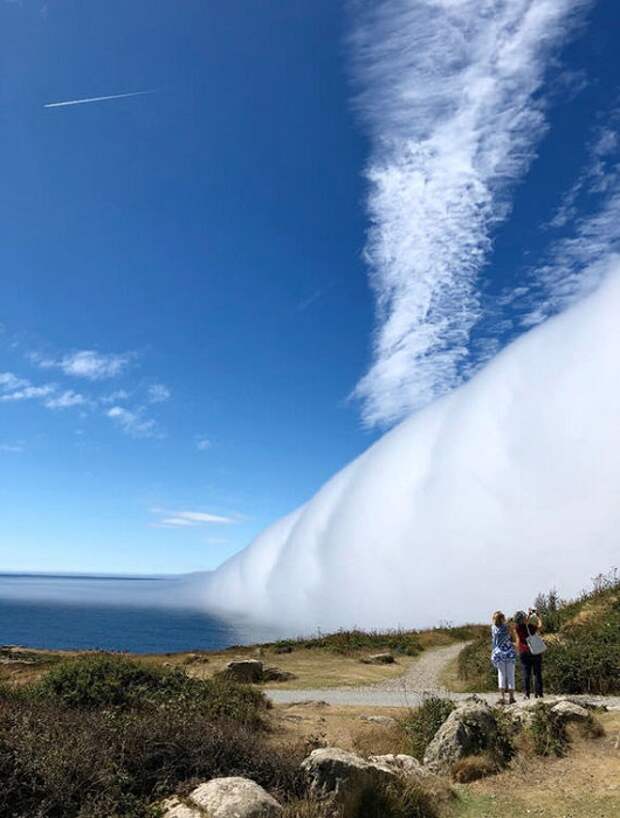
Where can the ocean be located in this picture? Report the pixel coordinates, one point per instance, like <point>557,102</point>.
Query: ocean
<point>135,614</point>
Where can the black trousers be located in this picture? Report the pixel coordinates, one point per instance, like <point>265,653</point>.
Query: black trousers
<point>532,664</point>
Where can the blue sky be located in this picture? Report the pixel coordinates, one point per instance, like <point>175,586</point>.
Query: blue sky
<point>185,300</point>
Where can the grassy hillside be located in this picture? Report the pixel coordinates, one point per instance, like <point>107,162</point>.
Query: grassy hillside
<point>583,637</point>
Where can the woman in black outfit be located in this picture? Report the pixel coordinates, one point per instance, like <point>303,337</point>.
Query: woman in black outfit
<point>526,625</point>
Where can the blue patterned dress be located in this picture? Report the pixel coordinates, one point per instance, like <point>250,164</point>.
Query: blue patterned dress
<point>503,649</point>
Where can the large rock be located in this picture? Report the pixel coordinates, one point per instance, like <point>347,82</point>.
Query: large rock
<point>244,670</point>
<point>175,808</point>
<point>234,798</point>
<point>378,659</point>
<point>470,728</point>
<point>342,778</point>
<point>403,765</point>
<point>570,711</point>
<point>274,674</point>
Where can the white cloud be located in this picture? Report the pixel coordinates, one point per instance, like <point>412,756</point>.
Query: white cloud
<point>505,486</point>
<point>66,399</point>
<point>29,393</point>
<point>183,519</point>
<point>203,443</point>
<point>158,393</point>
<point>114,397</point>
<point>451,94</point>
<point>133,423</point>
<point>10,382</point>
<point>575,265</point>
<point>88,363</point>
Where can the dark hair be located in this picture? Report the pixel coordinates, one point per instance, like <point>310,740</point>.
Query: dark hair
<point>520,617</point>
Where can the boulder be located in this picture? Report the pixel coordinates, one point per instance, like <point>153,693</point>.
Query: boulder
<point>274,674</point>
<point>570,711</point>
<point>403,765</point>
<point>174,808</point>
<point>468,730</point>
<point>378,659</point>
<point>342,778</point>
<point>234,798</point>
<point>244,670</point>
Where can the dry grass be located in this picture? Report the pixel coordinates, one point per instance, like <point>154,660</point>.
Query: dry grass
<point>583,784</point>
<point>340,726</point>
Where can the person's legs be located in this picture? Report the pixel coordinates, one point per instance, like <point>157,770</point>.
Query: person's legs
<point>510,680</point>
<point>538,681</point>
<point>501,680</point>
<point>526,670</point>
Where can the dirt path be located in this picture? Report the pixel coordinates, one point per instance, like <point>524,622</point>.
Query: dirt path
<point>421,679</point>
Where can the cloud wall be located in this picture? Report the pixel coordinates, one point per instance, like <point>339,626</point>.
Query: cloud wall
<point>506,486</point>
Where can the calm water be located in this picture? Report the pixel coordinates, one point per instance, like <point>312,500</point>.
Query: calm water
<point>140,615</point>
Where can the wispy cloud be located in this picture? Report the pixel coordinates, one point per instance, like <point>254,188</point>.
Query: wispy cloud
<point>133,422</point>
<point>85,100</point>
<point>11,448</point>
<point>158,393</point>
<point>590,209</point>
<point>28,392</point>
<point>66,399</point>
<point>451,95</point>
<point>189,519</point>
<point>203,443</point>
<point>87,363</point>
<point>114,397</point>
<point>10,381</point>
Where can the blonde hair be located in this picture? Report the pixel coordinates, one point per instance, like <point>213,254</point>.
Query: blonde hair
<point>498,618</point>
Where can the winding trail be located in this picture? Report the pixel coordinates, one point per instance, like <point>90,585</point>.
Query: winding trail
<point>423,678</point>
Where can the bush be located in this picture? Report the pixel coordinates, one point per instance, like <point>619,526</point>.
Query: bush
<point>404,801</point>
<point>63,762</point>
<point>421,724</point>
<point>547,732</point>
<point>352,641</point>
<point>105,681</point>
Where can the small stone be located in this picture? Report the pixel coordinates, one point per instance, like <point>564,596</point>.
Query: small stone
<point>383,721</point>
<point>378,659</point>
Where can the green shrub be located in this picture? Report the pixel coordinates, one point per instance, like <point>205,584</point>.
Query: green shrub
<point>421,724</point>
<point>474,665</point>
<point>63,762</point>
<point>100,680</point>
<point>398,801</point>
<point>547,732</point>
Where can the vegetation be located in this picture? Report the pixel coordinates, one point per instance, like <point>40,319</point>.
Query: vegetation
<point>547,732</point>
<point>103,736</point>
<point>107,681</point>
<point>584,643</point>
<point>403,642</point>
<point>421,724</point>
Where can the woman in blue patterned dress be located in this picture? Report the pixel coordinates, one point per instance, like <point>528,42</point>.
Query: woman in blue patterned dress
<point>503,657</point>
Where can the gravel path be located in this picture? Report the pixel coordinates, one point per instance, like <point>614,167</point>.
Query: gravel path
<point>421,679</point>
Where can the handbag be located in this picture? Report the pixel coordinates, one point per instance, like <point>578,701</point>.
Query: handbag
<point>535,643</point>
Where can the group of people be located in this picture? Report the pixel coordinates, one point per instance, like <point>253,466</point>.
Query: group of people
<point>524,629</point>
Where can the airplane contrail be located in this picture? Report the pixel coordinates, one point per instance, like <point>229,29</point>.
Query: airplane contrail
<point>96,99</point>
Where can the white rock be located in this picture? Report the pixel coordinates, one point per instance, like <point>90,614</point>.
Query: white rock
<point>569,711</point>
<point>235,797</point>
